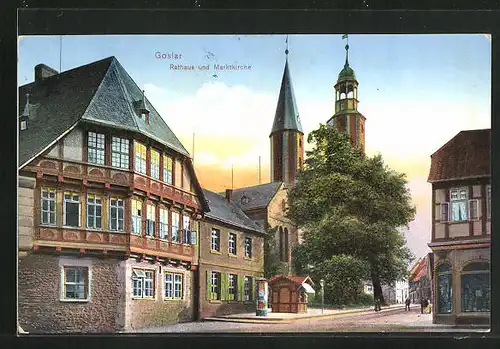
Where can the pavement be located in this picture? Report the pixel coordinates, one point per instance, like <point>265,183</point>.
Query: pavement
<point>315,313</point>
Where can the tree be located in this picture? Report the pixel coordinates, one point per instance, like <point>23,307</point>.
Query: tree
<point>272,263</point>
<point>351,204</point>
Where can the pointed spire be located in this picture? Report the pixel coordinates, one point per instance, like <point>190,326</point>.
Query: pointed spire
<point>347,73</point>
<point>26,111</point>
<point>346,36</point>
<point>287,115</point>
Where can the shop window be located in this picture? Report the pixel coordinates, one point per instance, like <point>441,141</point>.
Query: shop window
<point>476,289</point>
<point>444,285</point>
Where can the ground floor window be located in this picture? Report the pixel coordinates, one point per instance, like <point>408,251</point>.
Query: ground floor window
<point>233,287</point>
<point>142,283</point>
<point>476,290</point>
<point>173,285</point>
<point>215,285</point>
<point>75,283</point>
<point>444,289</point>
<point>247,289</point>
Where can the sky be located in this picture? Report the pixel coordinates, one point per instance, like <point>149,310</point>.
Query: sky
<point>416,92</point>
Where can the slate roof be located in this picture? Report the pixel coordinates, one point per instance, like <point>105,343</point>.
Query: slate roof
<point>101,92</point>
<point>287,114</point>
<point>228,212</point>
<point>465,155</point>
<point>257,196</point>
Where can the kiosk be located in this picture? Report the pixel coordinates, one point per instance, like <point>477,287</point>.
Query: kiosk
<point>290,293</point>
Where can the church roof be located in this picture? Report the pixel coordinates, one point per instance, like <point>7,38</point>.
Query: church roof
<point>101,92</point>
<point>465,155</point>
<point>257,196</point>
<point>287,114</point>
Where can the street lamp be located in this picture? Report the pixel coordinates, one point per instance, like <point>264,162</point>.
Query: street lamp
<point>322,283</point>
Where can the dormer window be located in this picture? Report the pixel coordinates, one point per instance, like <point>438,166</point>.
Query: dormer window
<point>26,114</point>
<point>245,200</point>
<point>143,109</point>
<point>24,125</point>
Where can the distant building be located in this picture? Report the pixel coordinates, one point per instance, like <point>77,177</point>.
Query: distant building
<point>460,175</point>
<point>420,280</point>
<point>109,206</point>
<point>231,256</point>
<point>368,287</point>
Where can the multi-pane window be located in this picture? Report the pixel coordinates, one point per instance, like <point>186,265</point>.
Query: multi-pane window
<point>95,148</point>
<point>167,169</point>
<point>71,209</point>
<point>186,229</point>
<point>247,293</point>
<point>48,206</point>
<point>175,227</point>
<point>140,157</point>
<point>75,283</point>
<point>476,287</point>
<point>248,247</point>
<point>458,202</point>
<point>215,245</point>
<point>232,243</point>
<point>173,285</point>
<point>488,201</point>
<point>215,285</point>
<point>155,164</point>
<point>163,223</point>
<point>116,212</point>
<point>444,288</point>
<point>94,211</point>
<point>232,287</point>
<point>120,152</point>
<point>142,283</point>
<point>136,217</point>
<point>150,220</point>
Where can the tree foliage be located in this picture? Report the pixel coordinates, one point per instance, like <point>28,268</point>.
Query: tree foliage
<point>350,205</point>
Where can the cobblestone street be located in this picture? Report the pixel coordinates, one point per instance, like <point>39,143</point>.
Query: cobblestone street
<point>393,321</point>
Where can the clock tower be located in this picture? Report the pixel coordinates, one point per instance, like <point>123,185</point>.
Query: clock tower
<point>347,118</point>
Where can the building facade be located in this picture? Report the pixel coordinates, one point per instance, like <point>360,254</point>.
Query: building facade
<point>460,175</point>
<point>109,206</point>
<point>231,256</point>
<point>421,278</point>
<point>266,205</point>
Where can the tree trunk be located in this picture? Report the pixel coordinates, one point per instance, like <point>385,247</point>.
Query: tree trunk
<point>377,289</point>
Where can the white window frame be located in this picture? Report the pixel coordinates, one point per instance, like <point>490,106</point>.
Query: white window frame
<point>51,195</point>
<point>87,284</point>
<point>178,285</point>
<point>24,124</point>
<point>247,288</point>
<point>143,277</point>
<point>232,287</point>
<point>459,191</point>
<point>93,224</point>
<point>168,172</point>
<point>96,143</point>
<point>150,220</point>
<point>215,241</point>
<point>136,219</point>
<point>248,247</point>
<point>118,209</point>
<point>176,233</point>
<point>215,285</point>
<point>139,160</point>
<point>444,208</point>
<point>163,226</point>
<point>72,201</point>
<point>232,241</point>
<point>120,152</point>
<point>473,206</point>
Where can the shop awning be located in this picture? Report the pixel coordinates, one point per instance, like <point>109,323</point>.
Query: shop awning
<point>308,288</point>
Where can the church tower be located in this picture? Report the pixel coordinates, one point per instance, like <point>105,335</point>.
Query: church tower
<point>287,137</point>
<point>347,118</point>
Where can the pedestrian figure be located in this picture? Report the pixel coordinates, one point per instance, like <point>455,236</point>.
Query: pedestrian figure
<point>422,305</point>
<point>377,304</point>
<point>428,306</point>
<point>407,304</point>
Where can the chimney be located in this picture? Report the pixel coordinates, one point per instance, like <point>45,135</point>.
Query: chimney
<point>229,194</point>
<point>43,71</point>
